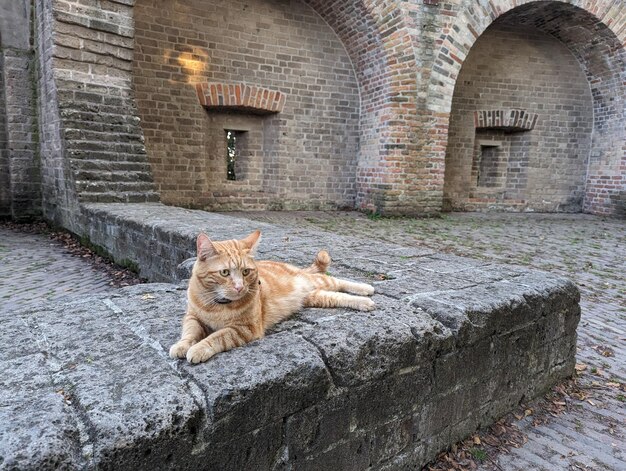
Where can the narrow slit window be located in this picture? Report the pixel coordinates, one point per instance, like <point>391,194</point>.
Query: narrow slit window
<point>231,154</point>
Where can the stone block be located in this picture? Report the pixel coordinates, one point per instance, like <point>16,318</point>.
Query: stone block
<point>38,430</point>
<point>328,389</point>
<point>319,427</point>
<point>360,347</point>
<point>134,397</point>
<point>351,454</point>
<point>283,373</point>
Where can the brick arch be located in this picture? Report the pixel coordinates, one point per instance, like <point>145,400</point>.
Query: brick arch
<point>299,137</point>
<point>595,34</point>
<point>469,22</point>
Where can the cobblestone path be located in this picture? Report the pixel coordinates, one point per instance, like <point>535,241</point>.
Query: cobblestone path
<point>589,250</point>
<point>34,268</point>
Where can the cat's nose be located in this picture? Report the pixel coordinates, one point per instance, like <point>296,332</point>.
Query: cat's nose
<point>238,288</point>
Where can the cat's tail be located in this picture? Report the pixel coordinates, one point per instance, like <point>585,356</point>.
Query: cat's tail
<point>320,264</point>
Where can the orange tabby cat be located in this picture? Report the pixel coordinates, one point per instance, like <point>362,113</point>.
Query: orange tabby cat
<point>233,299</point>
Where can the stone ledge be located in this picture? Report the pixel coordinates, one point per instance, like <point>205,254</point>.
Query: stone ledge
<point>454,344</point>
<point>239,96</point>
<point>510,120</point>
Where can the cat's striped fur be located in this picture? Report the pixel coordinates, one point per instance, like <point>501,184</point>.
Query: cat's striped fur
<point>233,299</point>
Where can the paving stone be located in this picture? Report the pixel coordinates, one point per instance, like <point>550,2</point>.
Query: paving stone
<point>34,268</point>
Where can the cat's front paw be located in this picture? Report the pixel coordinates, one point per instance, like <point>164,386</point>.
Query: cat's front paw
<point>199,353</point>
<point>366,304</point>
<point>179,349</point>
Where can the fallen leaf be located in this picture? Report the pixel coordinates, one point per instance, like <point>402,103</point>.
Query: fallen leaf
<point>147,296</point>
<point>580,367</point>
<point>477,440</point>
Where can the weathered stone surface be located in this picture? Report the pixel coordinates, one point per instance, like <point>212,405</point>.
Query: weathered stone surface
<point>360,347</point>
<point>452,346</point>
<point>37,429</point>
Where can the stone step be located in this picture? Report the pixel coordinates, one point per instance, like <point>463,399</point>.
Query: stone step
<point>110,165</point>
<point>120,197</point>
<point>115,147</point>
<point>96,122</point>
<point>79,134</point>
<point>86,186</point>
<point>91,155</point>
<point>113,176</point>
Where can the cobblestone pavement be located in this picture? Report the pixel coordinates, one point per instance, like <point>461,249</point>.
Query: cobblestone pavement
<point>589,250</point>
<point>34,268</point>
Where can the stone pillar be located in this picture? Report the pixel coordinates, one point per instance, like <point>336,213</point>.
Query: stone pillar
<point>20,196</point>
<point>5,181</point>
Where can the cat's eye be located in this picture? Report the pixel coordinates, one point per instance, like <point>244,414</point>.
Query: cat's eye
<point>224,272</point>
<point>245,271</point>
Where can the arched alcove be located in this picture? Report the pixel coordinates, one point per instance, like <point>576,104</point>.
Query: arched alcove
<point>586,30</point>
<point>492,164</point>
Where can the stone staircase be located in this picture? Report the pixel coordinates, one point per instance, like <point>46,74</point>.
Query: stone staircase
<point>111,181</point>
<point>105,181</point>
<point>105,146</point>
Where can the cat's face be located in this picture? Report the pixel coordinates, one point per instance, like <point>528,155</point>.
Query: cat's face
<point>226,269</point>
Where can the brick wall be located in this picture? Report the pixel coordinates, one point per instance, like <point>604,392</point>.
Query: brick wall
<point>303,157</point>
<point>405,57</point>
<point>399,170</point>
<point>20,197</point>
<point>59,199</point>
<point>543,169</point>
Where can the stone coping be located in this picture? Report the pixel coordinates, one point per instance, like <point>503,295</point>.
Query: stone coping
<point>453,345</point>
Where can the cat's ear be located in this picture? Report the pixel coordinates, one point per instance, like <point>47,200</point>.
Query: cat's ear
<point>252,241</point>
<point>205,247</point>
